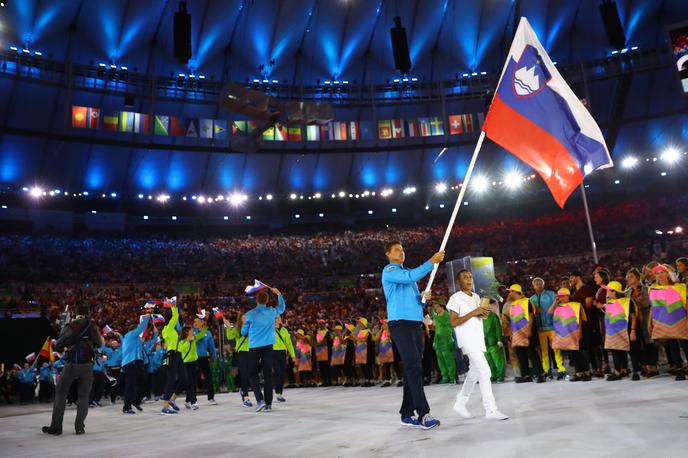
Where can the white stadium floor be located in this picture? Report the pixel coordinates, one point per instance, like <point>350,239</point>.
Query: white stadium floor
<point>645,419</point>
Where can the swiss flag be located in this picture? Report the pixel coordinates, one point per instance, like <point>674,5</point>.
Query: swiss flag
<point>455,126</point>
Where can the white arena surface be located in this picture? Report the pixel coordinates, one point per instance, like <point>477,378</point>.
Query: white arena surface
<point>648,419</point>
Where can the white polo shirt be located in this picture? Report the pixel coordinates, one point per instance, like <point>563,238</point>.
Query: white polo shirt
<point>469,336</point>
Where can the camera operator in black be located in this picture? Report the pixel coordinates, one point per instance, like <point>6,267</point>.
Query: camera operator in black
<point>79,337</point>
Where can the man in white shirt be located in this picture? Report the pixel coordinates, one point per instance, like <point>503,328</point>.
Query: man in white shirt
<point>466,317</point>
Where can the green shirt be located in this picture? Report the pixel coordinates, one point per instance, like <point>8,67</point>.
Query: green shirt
<point>492,328</point>
<point>188,348</point>
<point>240,342</point>
<point>443,327</point>
<point>169,332</point>
<point>283,341</point>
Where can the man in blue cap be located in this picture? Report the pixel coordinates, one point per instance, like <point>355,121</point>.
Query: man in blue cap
<point>405,322</point>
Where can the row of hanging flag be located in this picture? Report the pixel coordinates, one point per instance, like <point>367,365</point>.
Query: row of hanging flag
<point>174,126</point>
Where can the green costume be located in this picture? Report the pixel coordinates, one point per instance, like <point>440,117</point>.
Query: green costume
<point>494,353</point>
<point>444,347</point>
<point>217,367</point>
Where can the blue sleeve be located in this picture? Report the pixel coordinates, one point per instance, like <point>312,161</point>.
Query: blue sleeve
<point>151,343</point>
<point>282,305</point>
<point>142,326</point>
<point>178,326</point>
<point>211,345</point>
<point>395,274</point>
<point>247,324</point>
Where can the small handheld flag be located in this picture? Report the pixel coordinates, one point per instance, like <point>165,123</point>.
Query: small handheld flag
<point>158,319</point>
<point>17,366</point>
<point>257,286</point>
<point>30,357</point>
<point>168,303</point>
<point>107,330</point>
<point>538,118</point>
<point>201,314</point>
<point>149,305</point>
<point>47,350</point>
<point>218,313</point>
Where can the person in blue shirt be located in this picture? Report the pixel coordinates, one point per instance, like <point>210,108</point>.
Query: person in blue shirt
<point>206,352</point>
<point>259,326</point>
<point>157,370</point>
<point>45,383</point>
<point>148,349</point>
<point>27,383</point>
<point>132,364</point>
<point>542,300</point>
<point>99,381</point>
<point>113,365</point>
<point>405,322</point>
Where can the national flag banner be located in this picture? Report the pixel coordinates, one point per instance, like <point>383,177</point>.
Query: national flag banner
<point>412,127</point>
<point>169,303</point>
<point>424,127</point>
<point>111,122</point>
<point>456,124</point>
<point>220,129</point>
<point>281,133</point>
<point>437,126</point>
<point>107,330</point>
<point>398,130</point>
<point>269,134</point>
<point>238,126</point>
<point>312,133</point>
<point>339,130</point>
<point>30,357</point>
<point>325,133</point>
<point>355,130</point>
<point>126,121</point>
<point>251,126</point>
<point>257,286</point>
<point>177,126</point>
<point>218,313</point>
<point>162,125</point>
<point>295,134</point>
<point>205,128</point>
<point>468,126</point>
<point>79,117</point>
<point>384,129</point>
<point>538,118</point>
<point>93,120</point>
<point>192,127</point>
<point>141,123</point>
<point>158,319</point>
<point>17,367</point>
<point>47,350</point>
<point>201,314</point>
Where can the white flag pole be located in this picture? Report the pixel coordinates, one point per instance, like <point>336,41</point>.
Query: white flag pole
<point>457,206</point>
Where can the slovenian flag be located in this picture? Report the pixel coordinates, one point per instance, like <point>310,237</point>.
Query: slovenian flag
<point>31,356</point>
<point>158,319</point>
<point>218,313</point>
<point>107,329</point>
<point>257,286</point>
<point>537,117</point>
<point>170,302</point>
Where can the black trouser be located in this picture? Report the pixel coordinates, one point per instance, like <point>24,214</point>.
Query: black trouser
<point>242,358</point>
<point>650,354</point>
<point>159,381</point>
<point>115,372</point>
<point>290,372</point>
<point>191,381</point>
<point>204,368</point>
<point>264,356</point>
<point>71,372</point>
<point>325,375</point>
<point>408,337</point>
<point>579,360</point>
<point>673,351</point>
<point>132,376</point>
<point>280,360</point>
<point>98,386</point>
<point>620,358</point>
<point>45,391</point>
<point>175,374</point>
<point>26,392</point>
<point>523,354</point>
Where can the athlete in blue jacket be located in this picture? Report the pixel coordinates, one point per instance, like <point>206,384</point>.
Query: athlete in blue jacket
<point>132,364</point>
<point>405,322</point>
<point>206,351</point>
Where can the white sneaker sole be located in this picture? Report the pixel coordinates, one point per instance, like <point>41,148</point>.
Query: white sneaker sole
<point>463,415</point>
<point>429,427</point>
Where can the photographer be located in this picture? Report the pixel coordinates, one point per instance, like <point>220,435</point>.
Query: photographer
<point>79,337</point>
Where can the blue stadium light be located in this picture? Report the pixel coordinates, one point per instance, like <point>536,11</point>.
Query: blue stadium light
<point>256,81</point>
<point>52,193</point>
<point>85,193</point>
<point>345,82</point>
<point>465,75</point>
<point>113,194</point>
<point>150,197</point>
<point>113,66</point>
<point>25,189</point>
<point>93,212</point>
<point>427,207</point>
<point>629,162</point>
<point>226,218</point>
<point>441,205</point>
<point>26,51</point>
<point>184,198</point>
<point>466,203</point>
<point>297,216</point>
<point>140,196</point>
<point>555,63</point>
<point>394,210</point>
<point>370,212</point>
<point>103,196</point>
<point>248,217</point>
<point>268,197</point>
<point>201,77</point>
<point>102,65</point>
<point>327,83</point>
<point>396,80</point>
<point>441,188</point>
<point>405,80</point>
<point>194,197</point>
<point>414,79</point>
<point>14,48</point>
<point>37,53</point>
<point>145,217</point>
<point>634,48</point>
<point>57,191</point>
<point>321,215</point>
<point>124,68</point>
<point>617,181</point>
<point>474,74</point>
<point>615,52</point>
<point>336,81</point>
<point>483,73</point>
<point>182,75</point>
<point>4,207</point>
<point>266,81</point>
<point>192,76</point>
<point>624,51</point>
<point>275,81</point>
<point>174,218</point>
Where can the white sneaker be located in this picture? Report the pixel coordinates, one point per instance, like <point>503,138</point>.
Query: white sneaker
<point>187,405</point>
<point>194,406</point>
<point>495,415</point>
<point>212,402</point>
<point>460,408</point>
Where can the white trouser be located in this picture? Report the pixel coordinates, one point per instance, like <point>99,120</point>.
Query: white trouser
<point>479,371</point>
